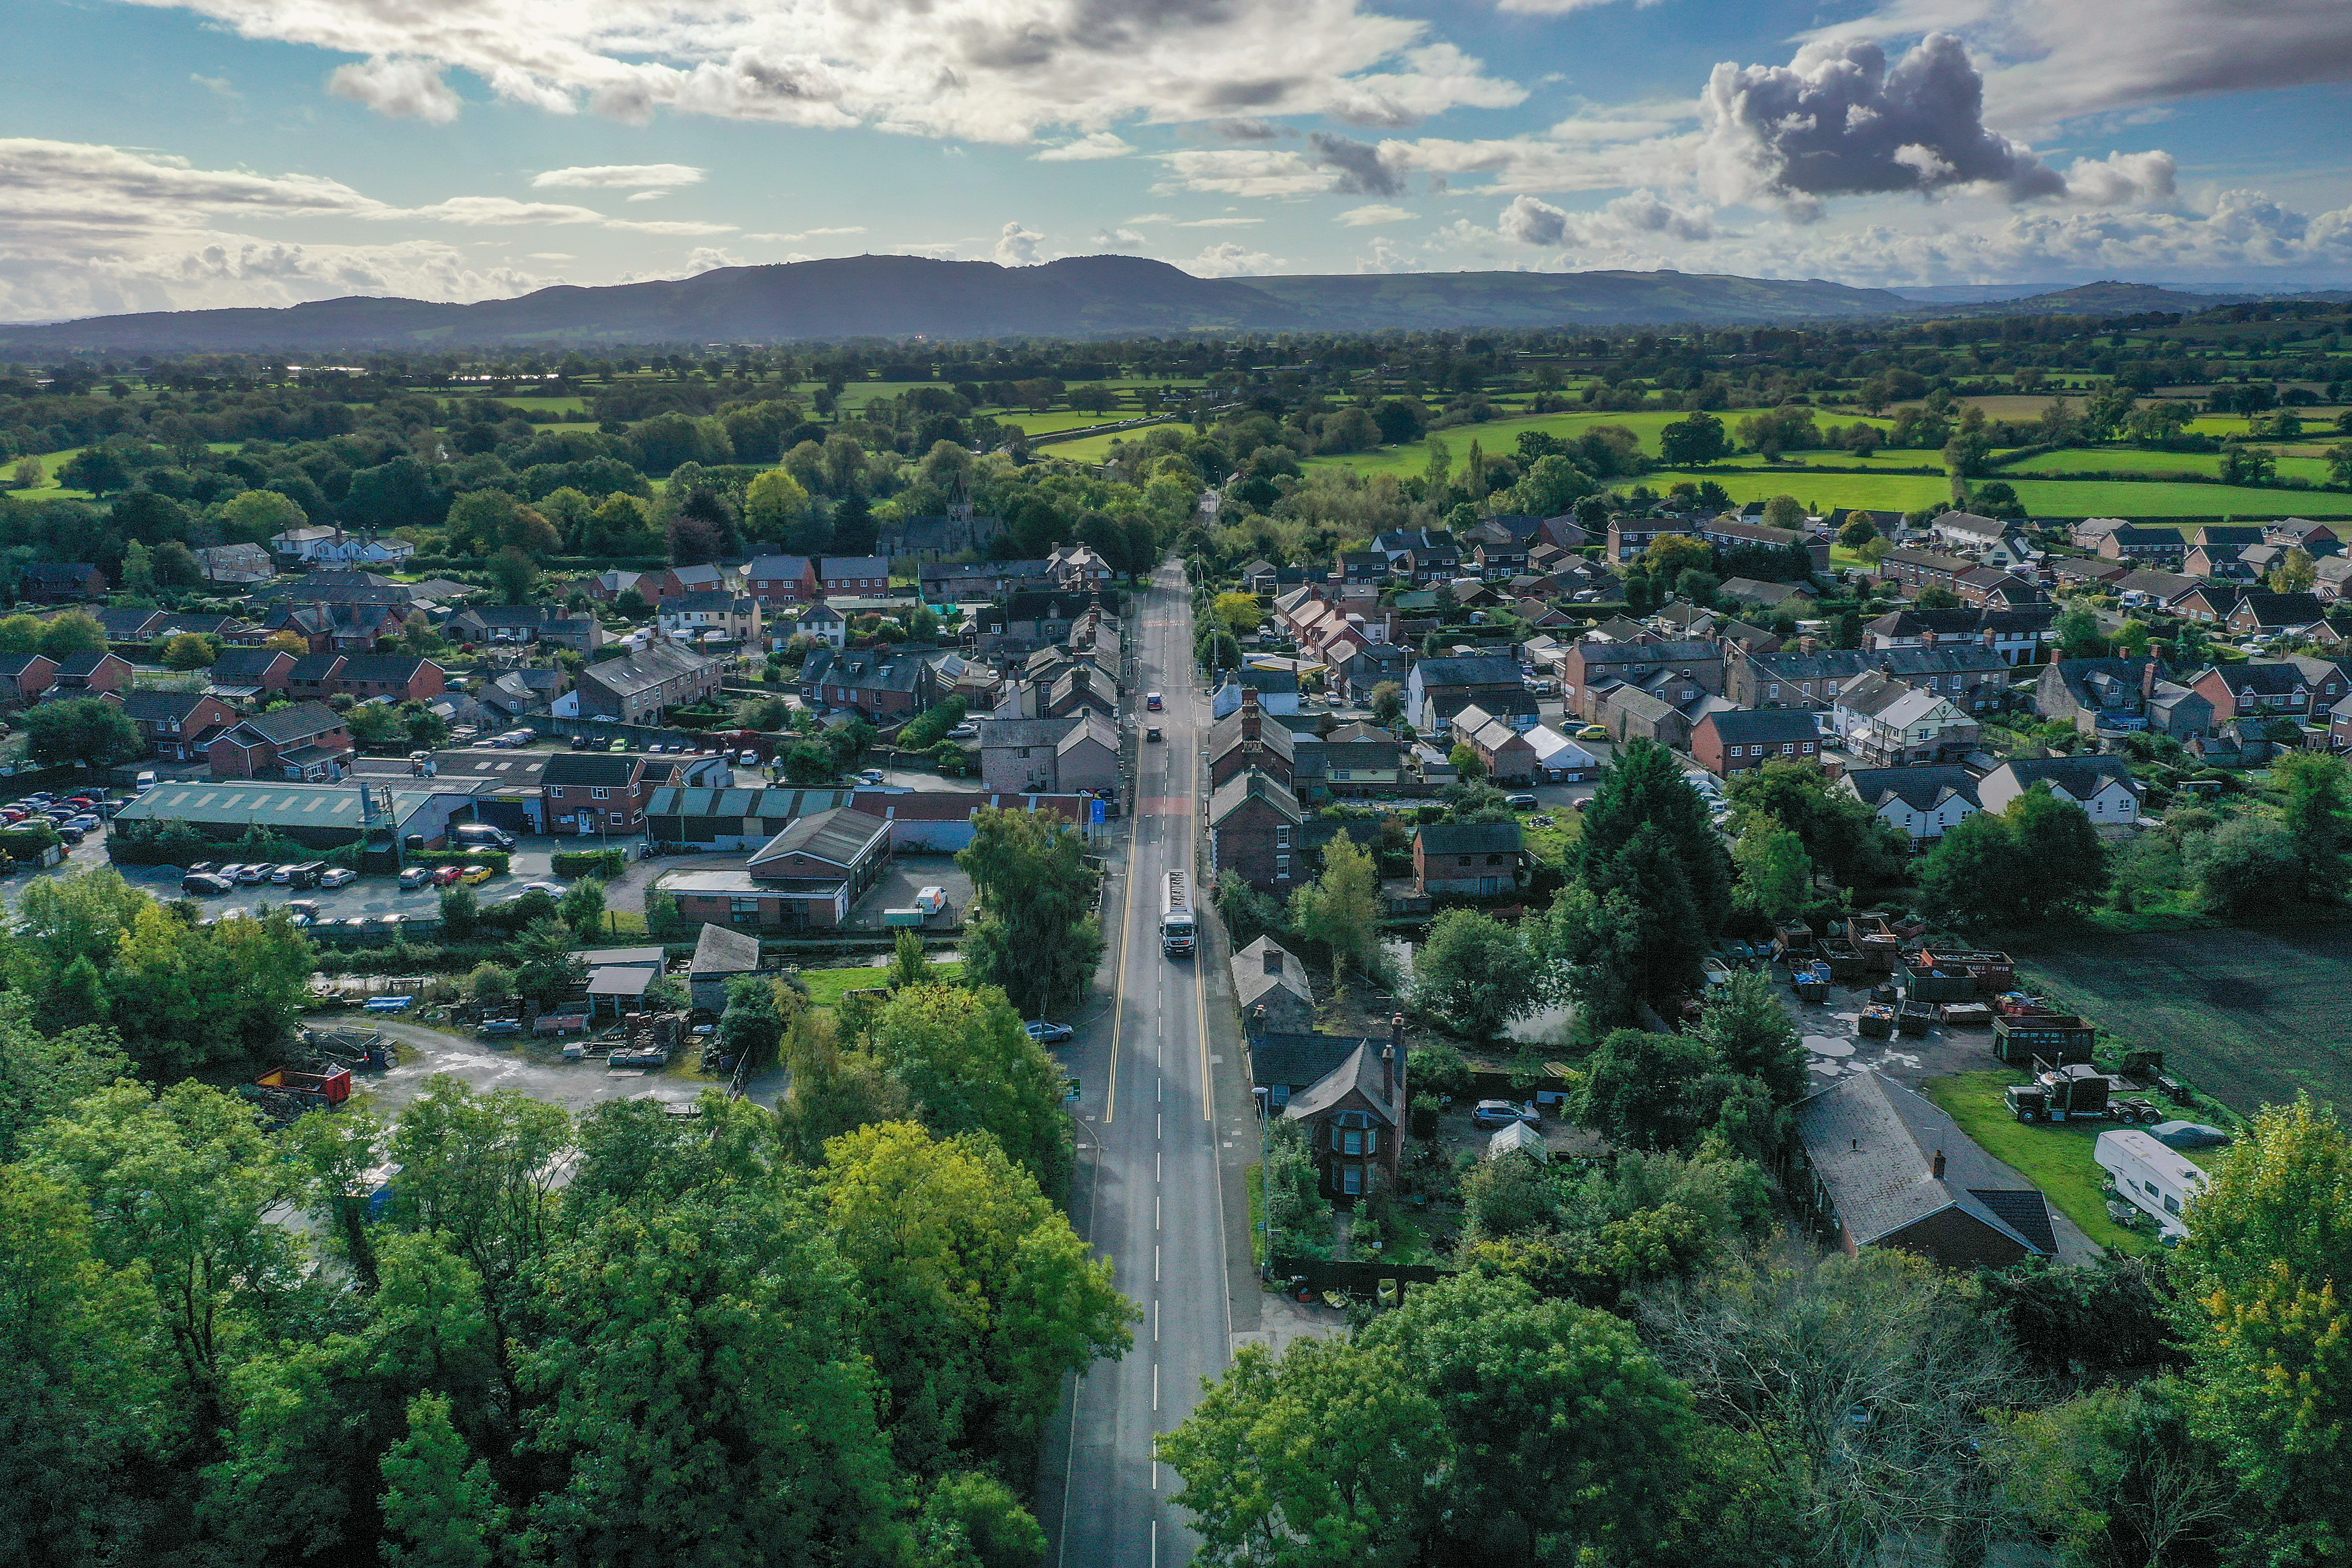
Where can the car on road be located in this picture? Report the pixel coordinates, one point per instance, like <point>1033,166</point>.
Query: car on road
<point>1521,802</point>
<point>338,876</point>
<point>447,876</point>
<point>1502,1113</point>
<point>1151,701</point>
<point>1593,732</point>
<point>205,884</point>
<point>417,877</point>
<point>473,874</point>
<point>1046,1034</point>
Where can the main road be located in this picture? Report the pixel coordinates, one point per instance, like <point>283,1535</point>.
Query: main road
<point>1147,1193</point>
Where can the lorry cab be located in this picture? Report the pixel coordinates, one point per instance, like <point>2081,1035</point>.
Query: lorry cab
<point>1151,701</point>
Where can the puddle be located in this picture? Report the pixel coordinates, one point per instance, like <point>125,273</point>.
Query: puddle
<point>1826,1045</point>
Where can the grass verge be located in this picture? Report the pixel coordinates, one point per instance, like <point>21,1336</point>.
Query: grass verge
<point>1255,1179</point>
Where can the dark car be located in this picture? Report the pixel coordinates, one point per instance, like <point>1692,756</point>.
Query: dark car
<point>1502,1113</point>
<point>1521,802</point>
<point>205,885</point>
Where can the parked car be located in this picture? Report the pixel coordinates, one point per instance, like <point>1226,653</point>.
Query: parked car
<point>69,833</point>
<point>1521,802</point>
<point>445,875</point>
<point>255,874</point>
<point>1046,1034</point>
<point>306,910</point>
<point>417,877</point>
<point>1502,1113</point>
<point>1593,732</point>
<point>205,884</point>
<point>480,836</point>
<point>337,876</point>
<point>868,775</point>
<point>473,874</point>
<point>964,731</point>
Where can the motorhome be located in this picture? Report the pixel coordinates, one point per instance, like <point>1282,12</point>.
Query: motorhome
<point>2153,1177</point>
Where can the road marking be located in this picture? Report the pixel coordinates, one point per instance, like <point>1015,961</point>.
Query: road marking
<point>1155,1320</point>
<point>1155,1385</point>
<point>1155,1263</point>
<point>1155,1124</point>
<point>1118,1009</point>
<point>1155,1164</point>
<point>1155,1543</point>
<point>1155,1212</point>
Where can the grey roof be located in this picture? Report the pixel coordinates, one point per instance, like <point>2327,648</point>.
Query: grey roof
<point>1920,788</point>
<point>1468,837</point>
<point>1226,733</point>
<point>1647,652</point>
<point>1483,670</point>
<point>156,706</point>
<point>837,568</point>
<point>1251,982</point>
<point>2268,678</point>
<point>383,666</point>
<point>244,666</point>
<point>644,669</point>
<point>998,732</point>
<point>1238,789</point>
<point>1359,1072</point>
<point>2285,609</point>
<point>298,723</point>
<point>720,951</point>
<point>863,669</point>
<point>1770,725</point>
<point>839,836</point>
<point>1842,663</point>
<point>2080,777</point>
<point>769,568</point>
<point>611,770</point>
<point>1872,1145</point>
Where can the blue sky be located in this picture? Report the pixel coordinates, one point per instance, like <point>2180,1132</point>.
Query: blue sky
<point>179,153</point>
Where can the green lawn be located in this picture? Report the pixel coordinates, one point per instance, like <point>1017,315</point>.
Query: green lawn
<point>828,986</point>
<point>2054,1157</point>
<point>2250,1016</point>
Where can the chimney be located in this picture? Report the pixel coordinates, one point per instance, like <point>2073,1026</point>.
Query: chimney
<point>1272,959</point>
<point>2147,680</point>
<point>1927,638</point>
<point>1936,1166</point>
<point>1257,1023</point>
<point>1388,1074</point>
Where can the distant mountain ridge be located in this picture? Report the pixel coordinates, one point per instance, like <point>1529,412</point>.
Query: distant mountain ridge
<point>1079,296</point>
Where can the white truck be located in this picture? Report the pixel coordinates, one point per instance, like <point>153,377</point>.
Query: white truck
<point>1176,924</point>
<point>2151,1176</point>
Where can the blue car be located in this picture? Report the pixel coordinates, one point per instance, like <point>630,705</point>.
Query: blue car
<point>1046,1034</point>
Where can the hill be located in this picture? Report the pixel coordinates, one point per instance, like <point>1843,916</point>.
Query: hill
<point>1369,301</point>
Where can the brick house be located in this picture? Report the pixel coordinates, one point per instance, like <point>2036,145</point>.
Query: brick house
<point>251,674</point>
<point>308,742</point>
<point>316,677</point>
<point>1916,570</point>
<point>1253,832</point>
<point>526,624</point>
<point>2299,616</point>
<point>1353,1118</point>
<point>25,675</point>
<point>809,877</point>
<point>2154,546</point>
<point>1468,859</point>
<point>1733,534</point>
<point>1247,739</point>
<point>1973,675</point>
<point>392,677</point>
<point>1983,586</point>
<point>882,685</point>
<point>1049,756</point>
<point>1505,752</point>
<point>2121,694</point>
<point>1735,740</point>
<point>60,583</point>
<point>176,725</point>
<point>639,689</point>
<point>1592,670</point>
<point>775,580</point>
<point>867,577</point>
<point>83,673</point>
<point>2268,689</point>
<point>602,792</point>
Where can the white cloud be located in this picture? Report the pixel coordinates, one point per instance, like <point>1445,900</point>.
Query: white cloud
<point>1118,238</point>
<point>1532,222</point>
<point>646,196</point>
<point>1230,260</point>
<point>219,86</point>
<point>2121,179</point>
<point>1376,216</point>
<point>618,176</point>
<point>985,70</point>
<point>405,89</point>
<point>1100,144</point>
<point>1221,222</point>
<point>809,233</point>
<point>551,256</point>
<point>1527,221</point>
<point>1560,7</point>
<point>708,259</point>
<point>1017,246</point>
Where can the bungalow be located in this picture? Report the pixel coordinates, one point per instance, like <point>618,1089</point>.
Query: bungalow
<point>122,623</point>
<point>1737,739</point>
<point>1466,859</point>
<point>1559,759</point>
<point>391,677</point>
<point>1881,1166</point>
<point>526,624</point>
<point>2102,787</point>
<point>176,725</point>
<point>60,583</point>
<point>240,564</point>
<point>25,675</point>
<point>308,742</point>
<point>1923,804</point>
<point>1777,597</point>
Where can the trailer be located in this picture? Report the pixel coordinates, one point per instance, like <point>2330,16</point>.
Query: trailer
<point>2061,1039</point>
<point>312,1088</point>
<point>2153,1178</point>
<point>646,1056</point>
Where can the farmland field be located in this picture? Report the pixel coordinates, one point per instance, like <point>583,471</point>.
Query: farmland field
<point>2108,460</point>
<point>2251,1015</point>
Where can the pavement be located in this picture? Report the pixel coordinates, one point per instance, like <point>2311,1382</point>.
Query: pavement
<point>1164,1126</point>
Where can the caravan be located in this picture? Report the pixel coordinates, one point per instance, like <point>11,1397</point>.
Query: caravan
<point>2152,1176</point>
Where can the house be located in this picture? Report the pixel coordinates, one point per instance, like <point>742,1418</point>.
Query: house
<point>607,586</point>
<point>2155,546</point>
<point>779,580</point>
<point>819,622</point>
<point>1633,713</point>
<point>2018,635</point>
<point>308,742</point>
<point>1078,568</point>
<point>1594,670</point>
<point>1738,533</point>
<point>2150,586</point>
<point>1080,686</point>
<point>1984,585</point>
<point>315,676</point>
<point>1559,759</point>
<point>122,622</point>
<point>2298,615</point>
<point>2087,533</point>
<point>808,877</point>
<point>2264,688</point>
<point>2117,695</point>
<point>1503,751</point>
<point>1362,759</point>
<point>2102,787</point>
<point>1923,804</point>
<point>1438,689</point>
<point>881,685</point>
<point>639,689</point>
<point>1630,536</point>
<point>59,583</point>
<point>1881,1166</point>
<point>1354,1120</point>
<point>25,675</point>
<point>2209,605</point>
<point>2339,726</point>
<point>350,626</point>
<point>240,564</point>
<point>2075,572</point>
<point>1034,617</point>
<point>601,792</point>
<point>1973,675</point>
<point>1733,740</point>
<point>1246,740</point>
<point>866,576</point>
<point>1966,530</point>
<point>717,616</point>
<point>550,623</point>
<point>968,582</point>
<point>1366,667</point>
<point>1052,757</point>
<point>1253,825</point>
<point>2222,561</point>
<point>1887,724</point>
<point>1421,555</point>
<point>1276,690</point>
<point>2330,577</point>
<point>1466,859</point>
<point>316,546</point>
<point>251,674</point>
<point>80,674</point>
<point>391,677</point>
<point>1780,598</point>
<point>176,725</point>
<point>1916,570</point>
<point>1270,987</point>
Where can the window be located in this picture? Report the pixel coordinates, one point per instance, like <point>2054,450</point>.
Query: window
<point>1282,838</point>
<point>1351,1180</point>
<point>1462,859</point>
<point>1788,748</point>
<point>1282,865</point>
<point>618,818</point>
<point>600,794</point>
<point>1348,1139</point>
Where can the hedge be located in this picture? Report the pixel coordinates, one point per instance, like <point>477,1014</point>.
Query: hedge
<point>605,864</point>
<point>496,860</point>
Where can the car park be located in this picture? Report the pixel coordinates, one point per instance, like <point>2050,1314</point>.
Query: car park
<point>1502,1113</point>
<point>447,876</point>
<point>1046,1034</point>
<point>69,833</point>
<point>337,876</point>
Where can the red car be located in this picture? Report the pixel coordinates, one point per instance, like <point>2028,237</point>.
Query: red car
<point>447,876</point>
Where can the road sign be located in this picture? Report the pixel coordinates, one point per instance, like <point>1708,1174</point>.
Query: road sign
<point>1101,808</point>
<point>1070,1090</point>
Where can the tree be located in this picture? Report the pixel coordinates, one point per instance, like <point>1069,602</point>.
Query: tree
<point>1035,937</point>
<point>1636,1089</point>
<point>971,1519</point>
<point>773,503</point>
<point>2036,860</point>
<point>256,517</point>
<point>2115,1477</point>
<point>440,1511</point>
<point>1477,973</point>
<point>1648,854</point>
<point>550,971</point>
<point>968,1066</point>
<point>1752,1036</point>
<point>98,469</point>
<point>138,575</point>
<point>1467,762</point>
<point>1694,438</point>
<point>87,730</point>
<point>2317,816</point>
<point>583,907</point>
<point>187,650</point>
<point>2269,1249</point>
<point>73,632</point>
<point>1972,878</point>
<point>1784,512</point>
<point>1341,908</point>
<point>1240,612</point>
<point>490,987</point>
<point>2078,633</point>
<point>1388,704</point>
<point>2056,838</point>
<point>1776,876</point>
<point>2294,573</point>
<point>516,575</point>
<point>31,474</point>
<point>2243,866</point>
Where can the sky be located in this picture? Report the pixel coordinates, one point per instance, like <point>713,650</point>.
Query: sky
<point>171,154</point>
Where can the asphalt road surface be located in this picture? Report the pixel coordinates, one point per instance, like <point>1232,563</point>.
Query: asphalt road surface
<point>1147,1193</point>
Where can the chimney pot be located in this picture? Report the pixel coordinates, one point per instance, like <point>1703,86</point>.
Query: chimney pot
<point>1936,1168</point>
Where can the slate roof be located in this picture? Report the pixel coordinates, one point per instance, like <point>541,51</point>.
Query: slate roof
<point>2285,609</point>
<point>298,723</point>
<point>718,951</point>
<point>244,665</point>
<point>1842,663</point>
<point>838,835</point>
<point>998,732</point>
<point>1237,790</point>
<point>157,707</point>
<point>1772,726</point>
<point>642,670</point>
<point>1920,788</point>
<point>1359,1072</point>
<point>1482,670</point>
<point>2260,677</point>
<point>2080,777</point>
<point>1251,982</point>
<point>607,770</point>
<point>1468,837</point>
<point>1872,1145</point>
<point>1226,733</point>
<point>1647,652</point>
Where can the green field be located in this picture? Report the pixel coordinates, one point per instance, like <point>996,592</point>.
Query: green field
<point>2042,498</point>
<point>2108,460</point>
<point>2055,1158</point>
<point>828,986</point>
<point>2251,1017</point>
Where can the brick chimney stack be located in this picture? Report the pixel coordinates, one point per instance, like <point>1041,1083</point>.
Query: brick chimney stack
<point>1257,1022</point>
<point>1253,721</point>
<point>1936,1166</point>
<point>1388,1073</point>
<point>2147,680</point>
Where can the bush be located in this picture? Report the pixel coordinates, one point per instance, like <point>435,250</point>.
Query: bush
<point>605,864</point>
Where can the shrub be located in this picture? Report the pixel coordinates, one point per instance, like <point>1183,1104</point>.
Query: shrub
<point>497,860</point>
<point>604,864</point>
